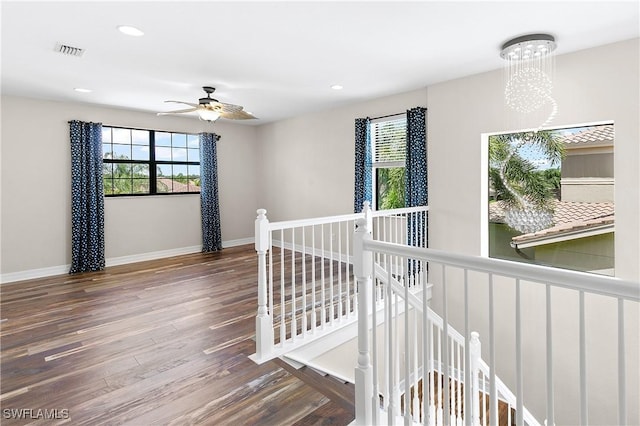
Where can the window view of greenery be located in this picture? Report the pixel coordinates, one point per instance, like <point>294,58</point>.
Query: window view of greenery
<point>390,188</point>
<point>388,140</point>
<point>551,198</point>
<point>149,162</point>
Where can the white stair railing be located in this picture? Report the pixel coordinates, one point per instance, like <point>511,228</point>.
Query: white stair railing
<point>389,381</point>
<point>306,287</point>
<point>396,390</point>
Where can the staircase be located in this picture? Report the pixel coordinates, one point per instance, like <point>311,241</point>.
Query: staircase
<point>321,287</point>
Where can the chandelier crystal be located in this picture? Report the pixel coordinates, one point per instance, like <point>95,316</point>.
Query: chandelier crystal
<point>529,83</point>
<point>529,94</point>
<point>528,219</point>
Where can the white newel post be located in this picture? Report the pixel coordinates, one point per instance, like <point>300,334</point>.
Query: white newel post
<point>264,323</point>
<point>368,216</point>
<point>363,373</point>
<point>475,352</point>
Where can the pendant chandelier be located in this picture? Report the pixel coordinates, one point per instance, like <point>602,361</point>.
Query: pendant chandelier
<point>529,95</point>
<point>528,75</point>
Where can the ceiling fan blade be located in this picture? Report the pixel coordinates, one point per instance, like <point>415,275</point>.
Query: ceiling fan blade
<point>180,111</point>
<point>229,107</point>
<point>185,103</point>
<point>237,115</point>
<point>228,111</point>
<point>222,107</point>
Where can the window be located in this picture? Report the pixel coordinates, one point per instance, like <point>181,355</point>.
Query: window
<point>551,198</point>
<point>388,147</point>
<point>149,162</point>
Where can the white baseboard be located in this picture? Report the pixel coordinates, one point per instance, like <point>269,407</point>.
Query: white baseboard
<point>240,242</point>
<point>123,260</point>
<point>114,261</point>
<point>34,273</point>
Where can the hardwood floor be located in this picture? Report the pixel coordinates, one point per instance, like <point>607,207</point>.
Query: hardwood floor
<point>159,342</point>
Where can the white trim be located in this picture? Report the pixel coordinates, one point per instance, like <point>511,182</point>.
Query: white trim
<point>123,260</point>
<point>575,150</point>
<point>484,198</point>
<point>30,274</point>
<point>238,242</point>
<point>565,236</point>
<point>34,273</point>
<point>588,181</point>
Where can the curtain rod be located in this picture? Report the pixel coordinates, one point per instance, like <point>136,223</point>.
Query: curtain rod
<point>140,128</point>
<point>393,115</point>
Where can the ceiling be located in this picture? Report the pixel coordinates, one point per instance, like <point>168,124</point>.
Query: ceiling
<point>278,59</point>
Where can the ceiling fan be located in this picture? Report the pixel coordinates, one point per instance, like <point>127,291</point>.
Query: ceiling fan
<point>210,109</point>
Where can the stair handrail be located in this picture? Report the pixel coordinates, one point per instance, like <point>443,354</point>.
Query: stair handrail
<point>581,282</point>
<point>416,303</point>
<point>574,280</point>
<point>265,241</point>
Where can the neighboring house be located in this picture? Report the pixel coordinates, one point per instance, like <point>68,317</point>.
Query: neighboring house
<point>587,170</point>
<point>175,186</point>
<point>581,238</point>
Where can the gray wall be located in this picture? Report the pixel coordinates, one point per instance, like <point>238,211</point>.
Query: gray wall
<point>36,182</point>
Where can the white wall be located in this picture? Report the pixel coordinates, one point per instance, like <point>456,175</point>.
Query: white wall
<point>592,85</point>
<point>36,218</point>
<point>308,161</point>
<point>308,171</point>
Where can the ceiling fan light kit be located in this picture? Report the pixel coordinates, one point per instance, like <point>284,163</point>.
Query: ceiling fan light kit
<point>210,109</point>
<point>208,115</point>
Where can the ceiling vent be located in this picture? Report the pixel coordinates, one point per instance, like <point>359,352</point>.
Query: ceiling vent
<point>68,50</point>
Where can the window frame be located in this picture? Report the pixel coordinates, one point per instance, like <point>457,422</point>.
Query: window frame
<point>486,234</point>
<point>152,162</point>
<point>375,165</point>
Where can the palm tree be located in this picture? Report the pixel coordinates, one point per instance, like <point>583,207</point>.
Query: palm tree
<point>524,190</point>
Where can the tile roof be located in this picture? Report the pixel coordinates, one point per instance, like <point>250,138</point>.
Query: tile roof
<point>596,135</point>
<point>177,186</point>
<point>568,216</point>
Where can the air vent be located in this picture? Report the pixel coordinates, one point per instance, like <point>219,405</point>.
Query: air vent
<point>68,50</point>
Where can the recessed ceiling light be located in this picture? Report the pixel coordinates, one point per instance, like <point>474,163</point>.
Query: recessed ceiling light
<point>81,90</point>
<point>129,30</point>
<point>336,87</point>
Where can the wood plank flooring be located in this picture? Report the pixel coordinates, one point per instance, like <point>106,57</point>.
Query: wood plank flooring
<point>159,342</point>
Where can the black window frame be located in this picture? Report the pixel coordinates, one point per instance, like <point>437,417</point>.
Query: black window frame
<point>152,162</point>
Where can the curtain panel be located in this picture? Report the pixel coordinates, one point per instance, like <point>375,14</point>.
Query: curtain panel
<point>416,160</point>
<point>211,232</point>
<point>416,173</point>
<point>87,200</point>
<point>363,163</point>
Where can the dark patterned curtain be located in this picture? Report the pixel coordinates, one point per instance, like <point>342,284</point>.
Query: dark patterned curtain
<point>363,162</point>
<point>416,174</point>
<point>211,234</point>
<point>87,201</point>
